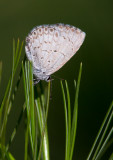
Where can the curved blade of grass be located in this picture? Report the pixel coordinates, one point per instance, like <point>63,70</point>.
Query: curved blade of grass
<point>15,129</point>
<point>29,96</point>
<point>70,132</point>
<point>46,141</point>
<point>8,155</point>
<point>100,131</point>
<point>16,61</point>
<point>103,135</point>
<point>27,129</point>
<point>105,142</point>
<point>26,78</point>
<point>21,113</point>
<point>27,139</point>
<point>9,86</point>
<point>75,113</point>
<point>18,55</point>
<point>42,120</point>
<point>69,121</point>
<point>31,102</point>
<point>6,100</point>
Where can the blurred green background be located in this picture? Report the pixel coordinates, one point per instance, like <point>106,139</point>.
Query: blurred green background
<point>95,17</point>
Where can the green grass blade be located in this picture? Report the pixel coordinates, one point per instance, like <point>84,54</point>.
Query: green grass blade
<point>18,56</point>
<point>23,73</point>
<point>46,141</point>
<point>48,99</point>
<point>36,135</point>
<point>103,135</point>
<point>13,56</point>
<point>6,103</point>
<point>27,129</point>
<point>7,96</point>
<point>28,101</point>
<point>15,129</point>
<point>4,155</point>
<point>26,140</point>
<point>42,120</point>
<point>103,146</point>
<point>100,131</point>
<point>111,157</point>
<point>31,101</point>
<point>3,104</point>
<point>39,113</point>
<point>75,113</point>
<point>9,156</point>
<point>69,120</point>
<point>66,120</point>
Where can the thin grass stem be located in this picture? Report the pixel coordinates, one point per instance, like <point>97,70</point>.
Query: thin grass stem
<point>100,131</point>
<point>66,121</point>
<point>69,121</point>
<point>105,142</point>
<point>42,119</point>
<point>75,113</point>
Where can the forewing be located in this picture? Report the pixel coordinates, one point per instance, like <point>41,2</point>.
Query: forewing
<point>49,47</point>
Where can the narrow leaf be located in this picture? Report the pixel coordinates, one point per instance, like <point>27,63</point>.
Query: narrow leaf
<point>75,113</point>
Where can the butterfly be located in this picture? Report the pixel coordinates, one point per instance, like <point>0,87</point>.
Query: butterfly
<point>49,47</point>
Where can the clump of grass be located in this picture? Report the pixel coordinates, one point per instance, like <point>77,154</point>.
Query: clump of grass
<point>8,98</point>
<point>102,143</point>
<point>37,111</point>
<point>71,127</point>
<point>36,108</point>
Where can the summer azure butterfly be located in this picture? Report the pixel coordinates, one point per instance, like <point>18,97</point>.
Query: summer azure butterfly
<point>49,47</point>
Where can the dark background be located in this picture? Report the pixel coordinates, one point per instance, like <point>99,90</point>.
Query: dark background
<point>95,17</point>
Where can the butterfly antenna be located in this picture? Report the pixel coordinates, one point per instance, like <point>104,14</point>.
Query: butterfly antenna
<point>58,77</point>
<point>50,90</point>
